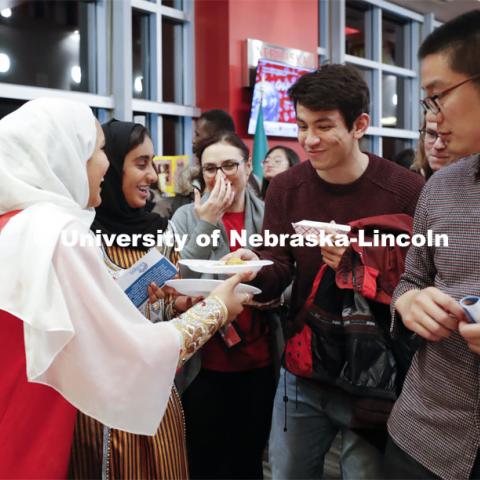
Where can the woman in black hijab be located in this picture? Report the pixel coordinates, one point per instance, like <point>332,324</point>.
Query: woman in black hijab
<point>123,211</point>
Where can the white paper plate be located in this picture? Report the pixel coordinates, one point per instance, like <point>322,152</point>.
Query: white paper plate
<point>308,227</point>
<point>219,267</point>
<point>195,287</point>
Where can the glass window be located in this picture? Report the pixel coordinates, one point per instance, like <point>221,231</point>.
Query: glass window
<point>178,4</point>
<point>173,135</point>
<point>355,29</point>
<point>172,58</point>
<point>48,44</point>
<point>140,54</point>
<point>393,88</point>
<point>393,38</point>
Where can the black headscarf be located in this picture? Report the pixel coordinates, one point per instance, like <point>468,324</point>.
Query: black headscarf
<point>114,215</point>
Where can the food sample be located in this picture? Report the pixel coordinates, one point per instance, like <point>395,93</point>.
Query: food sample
<point>234,261</point>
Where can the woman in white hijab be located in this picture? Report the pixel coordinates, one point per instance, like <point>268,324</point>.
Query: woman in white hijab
<point>69,337</point>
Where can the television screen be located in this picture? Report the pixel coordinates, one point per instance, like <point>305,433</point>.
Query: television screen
<point>272,81</point>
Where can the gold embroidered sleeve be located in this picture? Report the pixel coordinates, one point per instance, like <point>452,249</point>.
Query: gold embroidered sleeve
<point>198,324</point>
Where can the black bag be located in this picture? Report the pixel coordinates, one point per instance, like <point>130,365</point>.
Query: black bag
<point>345,343</point>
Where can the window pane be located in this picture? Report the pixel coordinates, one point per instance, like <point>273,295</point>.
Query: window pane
<point>393,89</point>
<point>393,35</point>
<point>172,135</point>
<point>140,56</point>
<point>49,44</point>
<point>172,58</point>
<point>178,4</point>
<point>355,29</point>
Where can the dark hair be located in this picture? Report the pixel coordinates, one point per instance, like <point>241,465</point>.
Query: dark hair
<point>230,138</point>
<point>137,136</point>
<point>219,120</point>
<point>333,87</point>
<point>404,157</point>
<point>292,156</point>
<point>459,40</point>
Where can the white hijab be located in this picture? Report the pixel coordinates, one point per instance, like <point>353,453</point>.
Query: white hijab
<point>80,330</point>
<point>44,149</point>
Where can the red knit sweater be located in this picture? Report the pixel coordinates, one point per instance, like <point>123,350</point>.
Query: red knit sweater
<point>300,194</point>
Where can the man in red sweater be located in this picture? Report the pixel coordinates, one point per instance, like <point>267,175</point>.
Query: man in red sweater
<point>338,182</point>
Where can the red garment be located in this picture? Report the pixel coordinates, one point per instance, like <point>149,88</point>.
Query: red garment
<point>300,194</point>
<point>372,271</point>
<point>254,351</point>
<point>36,422</point>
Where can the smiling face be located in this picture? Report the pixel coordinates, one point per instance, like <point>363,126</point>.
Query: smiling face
<point>138,174</point>
<point>276,162</point>
<point>459,116</point>
<point>326,140</point>
<point>97,167</point>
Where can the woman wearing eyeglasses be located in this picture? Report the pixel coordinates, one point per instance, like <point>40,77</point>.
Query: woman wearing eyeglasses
<point>277,160</point>
<point>432,153</point>
<point>229,391</point>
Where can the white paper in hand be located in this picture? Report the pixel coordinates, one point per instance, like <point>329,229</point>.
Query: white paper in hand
<point>153,267</point>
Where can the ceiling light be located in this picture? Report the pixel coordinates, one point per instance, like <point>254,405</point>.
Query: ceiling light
<point>76,74</point>
<point>138,84</point>
<point>4,63</point>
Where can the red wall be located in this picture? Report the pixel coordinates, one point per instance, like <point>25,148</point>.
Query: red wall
<point>222,26</point>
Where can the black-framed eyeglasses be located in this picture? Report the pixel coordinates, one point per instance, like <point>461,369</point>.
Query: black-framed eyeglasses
<point>429,135</point>
<point>228,168</point>
<point>430,104</point>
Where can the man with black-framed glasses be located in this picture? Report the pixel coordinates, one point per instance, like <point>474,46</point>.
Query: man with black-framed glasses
<point>432,104</point>
<point>434,425</point>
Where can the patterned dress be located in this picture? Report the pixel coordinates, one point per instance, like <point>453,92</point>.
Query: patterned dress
<point>101,452</point>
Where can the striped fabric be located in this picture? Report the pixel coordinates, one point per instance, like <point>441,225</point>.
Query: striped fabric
<point>162,456</point>
<point>436,420</point>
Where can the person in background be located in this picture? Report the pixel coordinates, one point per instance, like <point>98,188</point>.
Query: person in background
<point>186,180</point>
<point>432,152</point>
<point>277,160</point>
<point>69,337</point>
<point>404,157</point>
<point>229,387</point>
<point>211,122</point>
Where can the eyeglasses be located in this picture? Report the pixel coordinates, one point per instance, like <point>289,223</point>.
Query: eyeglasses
<point>429,135</point>
<point>228,168</point>
<point>431,104</point>
<point>274,161</point>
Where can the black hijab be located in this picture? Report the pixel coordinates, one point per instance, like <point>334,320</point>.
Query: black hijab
<point>114,215</point>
